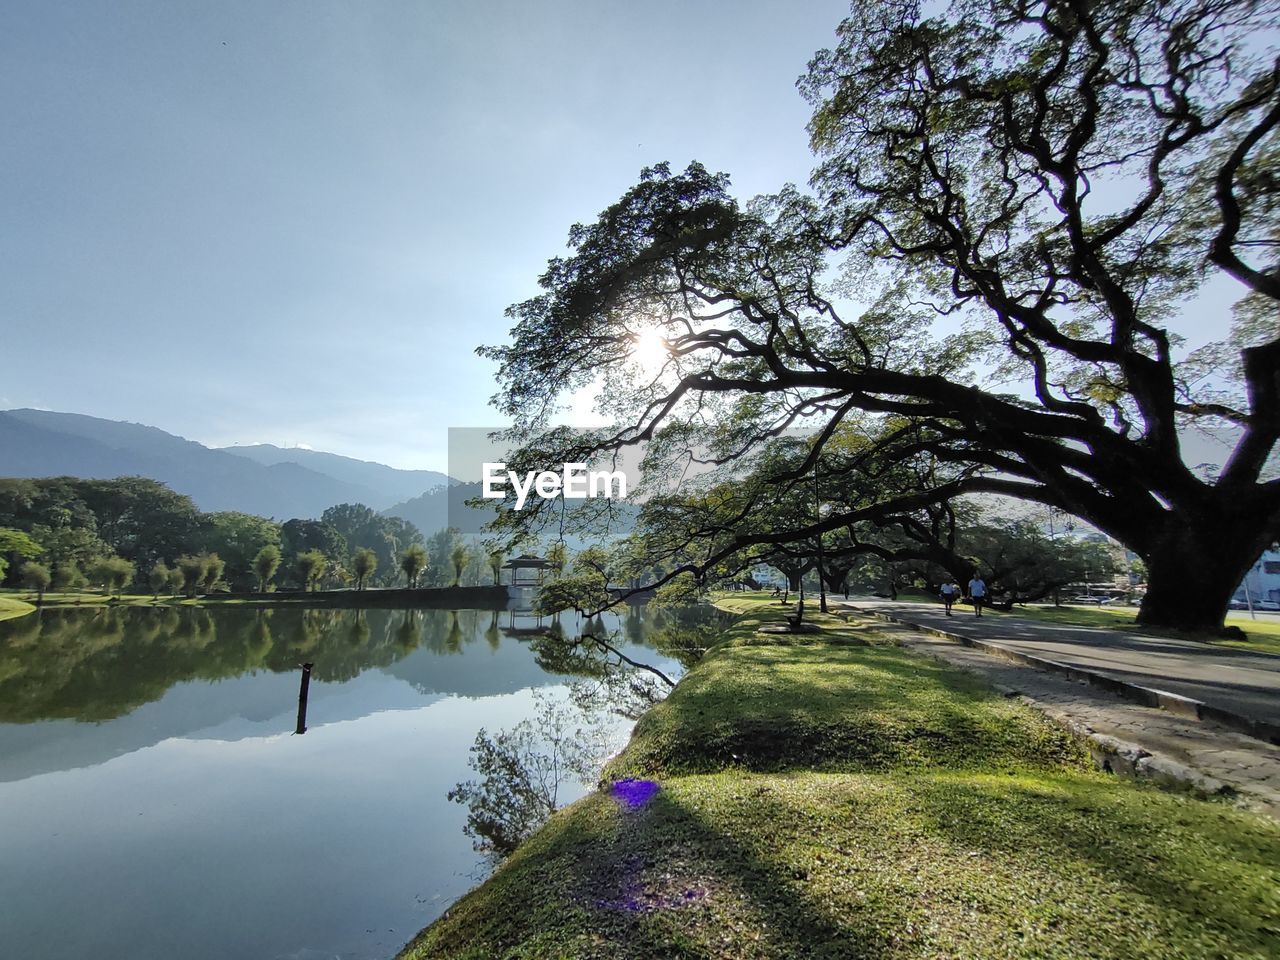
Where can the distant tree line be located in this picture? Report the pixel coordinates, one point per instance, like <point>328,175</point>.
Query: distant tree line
<point>65,533</point>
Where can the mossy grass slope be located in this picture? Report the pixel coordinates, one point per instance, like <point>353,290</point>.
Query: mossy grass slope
<point>819,702</point>
<point>821,798</point>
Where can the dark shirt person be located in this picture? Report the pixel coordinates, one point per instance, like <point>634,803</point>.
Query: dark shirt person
<point>949,591</point>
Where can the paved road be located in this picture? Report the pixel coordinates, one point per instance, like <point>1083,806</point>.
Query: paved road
<point>1238,681</point>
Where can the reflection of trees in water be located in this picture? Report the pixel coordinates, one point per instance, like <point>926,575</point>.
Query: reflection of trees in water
<point>100,663</point>
<point>684,634</point>
<point>590,649</point>
<point>257,636</point>
<point>359,633</point>
<point>633,624</point>
<point>453,635</point>
<point>152,629</point>
<point>304,633</point>
<point>625,693</point>
<point>523,770</point>
<point>559,653</point>
<point>408,632</point>
<point>446,631</point>
<point>104,629</point>
<point>24,631</point>
<point>194,630</point>
<point>340,643</point>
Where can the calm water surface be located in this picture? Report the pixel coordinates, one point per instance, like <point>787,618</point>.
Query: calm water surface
<point>156,800</point>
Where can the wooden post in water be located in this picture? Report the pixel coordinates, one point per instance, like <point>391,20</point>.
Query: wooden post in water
<point>303,689</point>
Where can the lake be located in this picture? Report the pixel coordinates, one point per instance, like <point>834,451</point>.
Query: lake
<point>157,800</point>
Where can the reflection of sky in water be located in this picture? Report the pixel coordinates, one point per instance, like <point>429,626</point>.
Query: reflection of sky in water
<point>198,826</point>
<point>172,837</point>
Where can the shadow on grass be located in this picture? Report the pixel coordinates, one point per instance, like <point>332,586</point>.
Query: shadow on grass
<point>945,866</point>
<point>672,885</point>
<point>879,866</point>
<point>657,883</point>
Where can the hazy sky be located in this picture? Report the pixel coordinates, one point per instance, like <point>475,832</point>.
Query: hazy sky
<point>292,222</point>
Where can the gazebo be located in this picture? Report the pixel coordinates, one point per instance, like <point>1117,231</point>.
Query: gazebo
<point>527,570</point>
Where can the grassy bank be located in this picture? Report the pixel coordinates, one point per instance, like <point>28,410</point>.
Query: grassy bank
<point>13,607</point>
<point>814,797</point>
<point>486,597</point>
<point>85,598</point>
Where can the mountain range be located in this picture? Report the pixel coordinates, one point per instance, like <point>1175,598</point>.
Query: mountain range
<point>272,481</point>
<point>261,479</point>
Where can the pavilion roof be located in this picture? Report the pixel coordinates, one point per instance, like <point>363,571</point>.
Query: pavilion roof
<point>527,562</point>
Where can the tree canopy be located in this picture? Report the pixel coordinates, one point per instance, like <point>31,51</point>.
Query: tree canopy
<point>238,538</point>
<point>413,560</point>
<point>362,528</point>
<point>1013,203</point>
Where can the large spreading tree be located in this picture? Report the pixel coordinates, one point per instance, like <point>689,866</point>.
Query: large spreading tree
<point>1015,205</point>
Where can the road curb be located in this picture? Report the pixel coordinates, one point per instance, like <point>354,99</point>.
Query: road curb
<point>1133,761</point>
<point>1123,758</point>
<point>1148,696</point>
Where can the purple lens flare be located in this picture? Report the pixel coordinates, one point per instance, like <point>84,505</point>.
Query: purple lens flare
<point>634,793</point>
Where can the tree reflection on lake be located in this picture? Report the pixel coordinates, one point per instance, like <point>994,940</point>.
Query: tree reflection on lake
<point>521,771</point>
<point>98,664</point>
<point>150,772</point>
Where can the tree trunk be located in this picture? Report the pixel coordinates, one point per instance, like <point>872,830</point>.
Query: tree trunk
<point>1192,573</point>
<point>838,579</point>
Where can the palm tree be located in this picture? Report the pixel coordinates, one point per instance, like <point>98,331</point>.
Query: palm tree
<point>363,564</point>
<point>212,571</point>
<point>158,578</point>
<point>412,562</point>
<point>311,564</point>
<point>459,557</point>
<point>265,565</point>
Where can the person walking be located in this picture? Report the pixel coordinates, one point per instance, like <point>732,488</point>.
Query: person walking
<point>948,591</point>
<point>977,592</point>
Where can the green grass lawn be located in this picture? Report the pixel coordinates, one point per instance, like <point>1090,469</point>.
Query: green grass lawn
<point>1262,634</point>
<point>83,598</point>
<point>818,798</point>
<point>13,607</point>
<point>53,598</point>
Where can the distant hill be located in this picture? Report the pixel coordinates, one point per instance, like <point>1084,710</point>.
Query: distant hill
<point>447,507</point>
<point>39,443</point>
<point>434,509</point>
<point>391,484</point>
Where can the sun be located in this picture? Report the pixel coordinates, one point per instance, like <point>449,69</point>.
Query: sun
<point>649,351</point>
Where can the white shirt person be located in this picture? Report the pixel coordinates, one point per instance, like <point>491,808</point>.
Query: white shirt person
<point>977,592</point>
